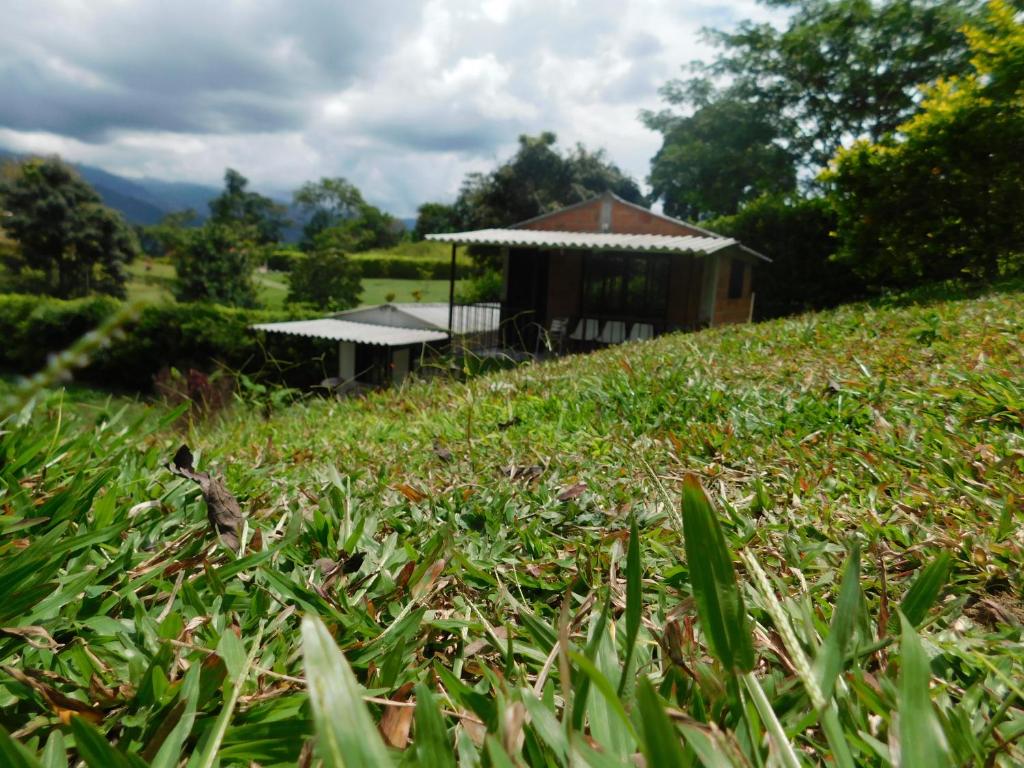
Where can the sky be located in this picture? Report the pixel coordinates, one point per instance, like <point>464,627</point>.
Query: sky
<point>400,97</point>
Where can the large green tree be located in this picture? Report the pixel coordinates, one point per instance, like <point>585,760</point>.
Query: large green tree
<point>776,102</point>
<point>69,243</point>
<point>237,206</point>
<point>336,205</point>
<point>539,178</point>
<point>942,196</point>
<point>711,162</point>
<point>434,217</point>
<point>214,263</point>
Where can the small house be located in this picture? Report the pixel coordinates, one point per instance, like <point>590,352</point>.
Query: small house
<point>606,271</point>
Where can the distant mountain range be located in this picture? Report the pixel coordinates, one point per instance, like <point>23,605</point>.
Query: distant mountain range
<point>147,201</point>
<point>141,201</point>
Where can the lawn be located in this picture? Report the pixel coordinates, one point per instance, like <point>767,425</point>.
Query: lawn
<point>152,280</point>
<point>794,543</point>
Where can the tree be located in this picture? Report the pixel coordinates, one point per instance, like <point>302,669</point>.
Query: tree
<point>434,217</point>
<point>942,196</point>
<point>796,233</point>
<point>215,264</point>
<point>335,204</point>
<point>325,278</point>
<point>69,243</point>
<point>169,235</point>
<point>238,207</point>
<point>721,156</point>
<point>536,180</point>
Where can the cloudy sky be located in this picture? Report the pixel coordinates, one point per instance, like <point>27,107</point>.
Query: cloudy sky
<point>401,97</point>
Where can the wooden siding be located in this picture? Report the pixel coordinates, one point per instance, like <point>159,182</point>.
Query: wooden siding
<point>732,310</point>
<point>624,218</point>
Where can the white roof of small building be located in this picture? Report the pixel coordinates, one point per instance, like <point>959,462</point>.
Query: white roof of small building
<point>362,333</point>
<point>599,241</point>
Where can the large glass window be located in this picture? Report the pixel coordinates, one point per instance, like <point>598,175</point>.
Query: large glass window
<point>625,285</point>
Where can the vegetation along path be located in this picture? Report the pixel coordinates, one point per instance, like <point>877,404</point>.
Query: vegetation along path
<point>517,571</point>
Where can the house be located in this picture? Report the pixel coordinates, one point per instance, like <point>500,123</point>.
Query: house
<point>605,271</point>
<point>379,346</point>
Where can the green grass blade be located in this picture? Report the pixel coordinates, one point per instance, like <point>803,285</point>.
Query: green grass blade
<point>347,737</point>
<point>926,588</point>
<point>634,602</point>
<point>433,747</point>
<point>55,754</point>
<point>660,740</point>
<point>844,619</point>
<point>14,754</point>
<point>719,601</point>
<point>922,741</point>
<point>169,753</point>
<point>94,748</point>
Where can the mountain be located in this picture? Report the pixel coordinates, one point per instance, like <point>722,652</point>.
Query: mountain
<point>141,201</point>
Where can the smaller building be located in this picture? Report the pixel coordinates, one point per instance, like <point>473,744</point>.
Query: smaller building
<point>379,346</point>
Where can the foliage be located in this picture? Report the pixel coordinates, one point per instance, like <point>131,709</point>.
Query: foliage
<point>942,197</point>
<point>69,243</point>
<point>713,161</point>
<point>326,279</point>
<point>336,214</point>
<point>841,68</point>
<point>283,259</point>
<point>538,179</point>
<point>169,236</point>
<point>215,263</point>
<point>502,563</point>
<point>797,234</point>
<point>484,286</point>
<point>182,336</point>
<point>434,217</point>
<point>238,208</point>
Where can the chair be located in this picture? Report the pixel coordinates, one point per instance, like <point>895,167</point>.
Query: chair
<point>553,338</point>
<point>586,329</point>
<point>641,332</point>
<point>614,332</point>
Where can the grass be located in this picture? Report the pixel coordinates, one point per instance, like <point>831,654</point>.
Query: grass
<point>796,543</point>
<point>151,281</point>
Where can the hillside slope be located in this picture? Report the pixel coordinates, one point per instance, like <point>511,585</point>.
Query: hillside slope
<point>475,539</point>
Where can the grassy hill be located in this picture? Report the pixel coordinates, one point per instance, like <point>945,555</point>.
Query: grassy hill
<point>513,577</point>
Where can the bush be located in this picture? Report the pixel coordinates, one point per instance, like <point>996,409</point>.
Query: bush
<point>399,268</point>
<point>182,336</point>
<point>326,279</point>
<point>283,260</point>
<point>796,233</point>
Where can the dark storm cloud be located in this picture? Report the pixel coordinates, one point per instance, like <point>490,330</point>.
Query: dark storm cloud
<point>84,71</point>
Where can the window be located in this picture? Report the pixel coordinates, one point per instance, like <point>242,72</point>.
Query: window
<point>624,285</point>
<point>737,271</point>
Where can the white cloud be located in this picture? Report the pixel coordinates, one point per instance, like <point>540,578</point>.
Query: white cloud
<point>401,97</point>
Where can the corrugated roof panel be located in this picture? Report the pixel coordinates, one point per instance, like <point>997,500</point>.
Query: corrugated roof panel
<point>362,333</point>
<point>610,241</point>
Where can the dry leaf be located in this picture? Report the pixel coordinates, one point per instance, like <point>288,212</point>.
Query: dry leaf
<point>397,721</point>
<point>572,492</point>
<point>29,633</point>
<point>410,492</point>
<point>222,509</point>
<point>428,579</point>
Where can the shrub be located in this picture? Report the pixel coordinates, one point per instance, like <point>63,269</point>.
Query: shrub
<point>203,337</point>
<point>403,268</point>
<point>283,260</point>
<point>326,279</point>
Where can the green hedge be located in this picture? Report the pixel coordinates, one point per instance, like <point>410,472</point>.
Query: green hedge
<point>181,336</point>
<point>397,268</point>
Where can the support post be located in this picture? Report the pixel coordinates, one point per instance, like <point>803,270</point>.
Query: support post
<point>451,295</point>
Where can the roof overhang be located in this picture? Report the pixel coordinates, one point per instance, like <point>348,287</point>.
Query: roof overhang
<point>593,241</point>
<point>360,333</point>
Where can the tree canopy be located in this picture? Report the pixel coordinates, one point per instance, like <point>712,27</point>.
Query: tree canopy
<point>236,207</point>
<point>325,278</point>
<point>537,179</point>
<point>215,263</point>
<point>774,105</point>
<point>942,196</point>
<point>335,208</point>
<point>69,243</point>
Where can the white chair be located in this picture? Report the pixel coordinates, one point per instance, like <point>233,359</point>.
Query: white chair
<point>614,332</point>
<point>586,329</point>
<point>641,332</point>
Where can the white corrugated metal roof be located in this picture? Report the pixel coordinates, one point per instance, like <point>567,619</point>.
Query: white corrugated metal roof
<point>362,333</point>
<point>608,241</point>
